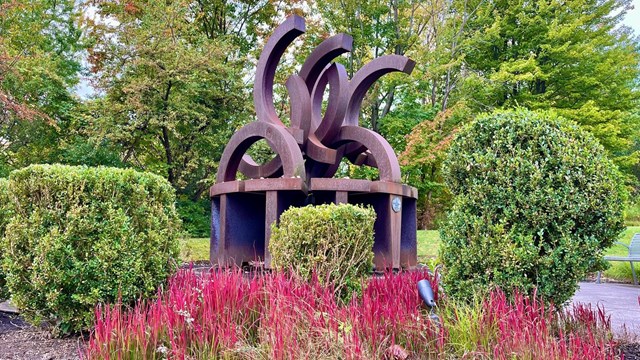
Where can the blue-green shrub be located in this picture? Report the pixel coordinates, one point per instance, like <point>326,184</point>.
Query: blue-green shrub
<point>82,236</point>
<point>536,203</point>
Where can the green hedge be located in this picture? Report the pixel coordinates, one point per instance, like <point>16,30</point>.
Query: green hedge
<point>334,241</point>
<point>82,236</point>
<point>536,203</point>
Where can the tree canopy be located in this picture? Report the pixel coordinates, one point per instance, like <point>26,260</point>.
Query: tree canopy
<point>172,79</point>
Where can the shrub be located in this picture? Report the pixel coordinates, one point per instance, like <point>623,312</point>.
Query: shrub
<point>536,203</point>
<point>5,215</point>
<point>82,236</point>
<point>333,241</point>
<point>195,216</point>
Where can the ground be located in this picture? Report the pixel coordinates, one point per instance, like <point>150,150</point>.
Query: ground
<point>20,341</point>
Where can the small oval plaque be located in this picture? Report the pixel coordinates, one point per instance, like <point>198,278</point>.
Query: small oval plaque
<point>396,204</point>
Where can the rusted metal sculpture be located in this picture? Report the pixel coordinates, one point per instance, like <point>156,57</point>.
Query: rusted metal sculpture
<point>309,152</point>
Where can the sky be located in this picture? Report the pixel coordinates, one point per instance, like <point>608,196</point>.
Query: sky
<point>633,17</point>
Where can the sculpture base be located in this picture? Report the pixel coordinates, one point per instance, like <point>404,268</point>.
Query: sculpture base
<point>243,211</point>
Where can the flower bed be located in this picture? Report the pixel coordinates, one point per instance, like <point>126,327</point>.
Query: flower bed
<point>226,315</point>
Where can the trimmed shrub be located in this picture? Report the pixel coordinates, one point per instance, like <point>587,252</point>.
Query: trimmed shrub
<point>82,236</point>
<point>5,215</point>
<point>334,242</point>
<point>536,203</point>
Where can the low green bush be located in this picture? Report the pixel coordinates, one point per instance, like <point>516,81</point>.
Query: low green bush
<point>537,202</point>
<point>5,215</point>
<point>82,236</point>
<point>333,241</point>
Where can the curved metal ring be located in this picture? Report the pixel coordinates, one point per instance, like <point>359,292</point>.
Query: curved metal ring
<point>383,155</point>
<point>277,44</point>
<point>322,56</point>
<point>326,128</point>
<point>282,142</point>
<point>367,75</point>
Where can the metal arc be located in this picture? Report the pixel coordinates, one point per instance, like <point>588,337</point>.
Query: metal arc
<point>300,104</point>
<point>367,75</point>
<point>383,155</point>
<point>282,142</point>
<point>277,44</point>
<point>326,127</point>
<point>322,56</point>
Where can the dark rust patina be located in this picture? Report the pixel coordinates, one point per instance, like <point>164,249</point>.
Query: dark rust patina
<point>309,152</point>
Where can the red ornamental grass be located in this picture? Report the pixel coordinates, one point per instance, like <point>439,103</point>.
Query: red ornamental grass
<point>527,329</point>
<point>227,314</point>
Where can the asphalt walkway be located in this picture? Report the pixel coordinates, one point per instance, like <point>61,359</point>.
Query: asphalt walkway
<point>621,301</point>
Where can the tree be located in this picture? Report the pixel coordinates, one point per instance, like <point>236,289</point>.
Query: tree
<point>378,28</point>
<point>173,94</point>
<point>39,41</point>
<point>572,56</point>
<point>422,159</point>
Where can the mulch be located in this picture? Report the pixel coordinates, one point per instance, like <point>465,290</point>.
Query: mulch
<point>631,351</point>
<point>21,341</point>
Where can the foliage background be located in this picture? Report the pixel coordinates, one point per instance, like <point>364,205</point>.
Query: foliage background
<point>171,80</point>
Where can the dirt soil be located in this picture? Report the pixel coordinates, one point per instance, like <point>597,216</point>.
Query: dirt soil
<point>21,341</point>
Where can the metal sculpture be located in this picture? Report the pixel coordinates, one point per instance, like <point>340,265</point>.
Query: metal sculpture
<point>309,152</point>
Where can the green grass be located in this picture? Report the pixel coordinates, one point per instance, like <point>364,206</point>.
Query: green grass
<point>428,244</point>
<point>622,270</point>
<point>195,249</point>
<point>632,214</point>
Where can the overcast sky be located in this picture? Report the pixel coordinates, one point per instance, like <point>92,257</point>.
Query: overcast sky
<point>633,17</point>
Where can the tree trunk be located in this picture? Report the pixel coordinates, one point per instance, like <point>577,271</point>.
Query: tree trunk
<point>166,144</point>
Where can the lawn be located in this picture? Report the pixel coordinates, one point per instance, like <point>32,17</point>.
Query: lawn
<point>195,249</point>
<point>620,270</point>
<point>428,244</point>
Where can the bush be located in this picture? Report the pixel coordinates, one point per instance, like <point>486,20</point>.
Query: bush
<point>5,215</point>
<point>82,236</point>
<point>195,216</point>
<point>536,203</point>
<point>333,241</point>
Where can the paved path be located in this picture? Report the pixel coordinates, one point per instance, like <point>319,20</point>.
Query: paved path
<point>621,301</point>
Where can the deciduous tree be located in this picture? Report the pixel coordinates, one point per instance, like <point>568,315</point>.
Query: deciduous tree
<point>173,90</point>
